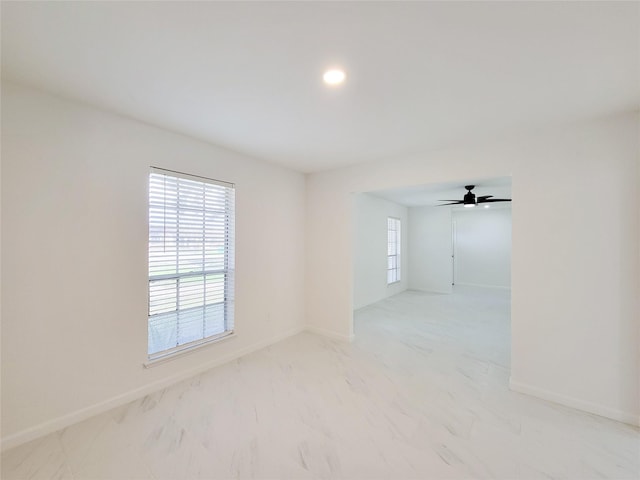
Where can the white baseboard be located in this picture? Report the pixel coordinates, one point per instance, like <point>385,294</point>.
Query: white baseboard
<point>497,287</point>
<point>601,410</point>
<point>64,421</point>
<point>328,333</point>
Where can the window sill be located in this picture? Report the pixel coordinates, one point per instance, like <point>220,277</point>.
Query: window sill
<point>187,349</point>
<point>393,283</point>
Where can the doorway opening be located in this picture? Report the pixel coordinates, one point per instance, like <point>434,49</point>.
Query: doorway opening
<point>452,270</point>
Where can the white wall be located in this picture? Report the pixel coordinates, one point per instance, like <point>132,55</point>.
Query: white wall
<point>483,246</point>
<point>575,260</point>
<point>430,269</point>
<point>370,249</point>
<point>74,257</point>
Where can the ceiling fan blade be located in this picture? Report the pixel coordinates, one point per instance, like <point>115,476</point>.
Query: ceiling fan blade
<point>491,200</point>
<point>484,196</point>
<point>451,200</point>
<point>459,202</point>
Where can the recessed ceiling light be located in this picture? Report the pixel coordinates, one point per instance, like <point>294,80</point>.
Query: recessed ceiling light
<point>486,206</point>
<point>334,76</point>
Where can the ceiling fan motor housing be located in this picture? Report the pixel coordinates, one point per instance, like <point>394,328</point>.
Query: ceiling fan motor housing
<point>469,198</point>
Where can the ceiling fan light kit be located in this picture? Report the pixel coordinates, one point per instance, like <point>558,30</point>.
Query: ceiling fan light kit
<point>469,200</point>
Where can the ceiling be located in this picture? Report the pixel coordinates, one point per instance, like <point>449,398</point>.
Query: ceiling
<point>247,76</point>
<point>430,195</point>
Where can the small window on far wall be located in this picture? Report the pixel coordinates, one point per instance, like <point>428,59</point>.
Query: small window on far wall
<point>393,250</point>
<point>191,261</point>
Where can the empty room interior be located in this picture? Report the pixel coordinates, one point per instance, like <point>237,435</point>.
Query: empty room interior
<point>354,240</point>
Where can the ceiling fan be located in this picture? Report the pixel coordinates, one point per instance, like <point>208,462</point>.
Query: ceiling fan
<point>470,199</point>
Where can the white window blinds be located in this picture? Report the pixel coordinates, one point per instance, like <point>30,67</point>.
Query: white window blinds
<point>191,261</point>
<point>393,250</point>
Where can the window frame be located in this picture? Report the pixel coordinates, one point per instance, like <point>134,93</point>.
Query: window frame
<point>228,270</point>
<point>394,273</point>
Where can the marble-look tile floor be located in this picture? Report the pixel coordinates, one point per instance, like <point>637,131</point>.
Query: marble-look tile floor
<point>421,393</point>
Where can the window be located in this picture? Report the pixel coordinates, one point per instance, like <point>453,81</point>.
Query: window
<point>191,261</point>
<point>393,250</point>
